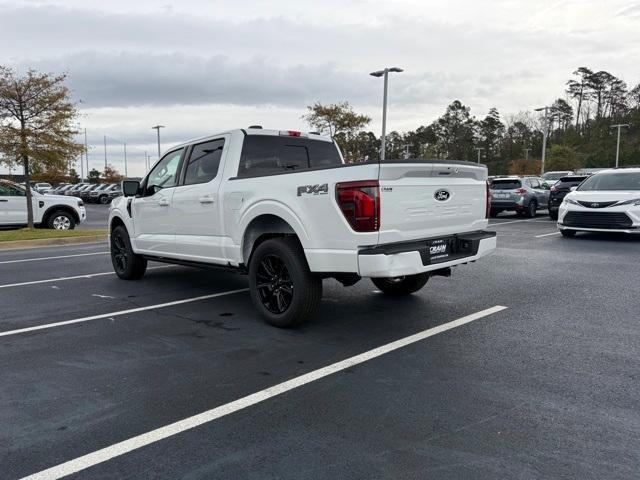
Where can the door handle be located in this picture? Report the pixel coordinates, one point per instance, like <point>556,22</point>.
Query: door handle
<point>206,199</point>
<point>163,202</point>
<point>3,200</point>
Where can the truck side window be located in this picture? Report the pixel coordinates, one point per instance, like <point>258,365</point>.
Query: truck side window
<point>165,173</point>
<point>203,163</point>
<point>323,154</point>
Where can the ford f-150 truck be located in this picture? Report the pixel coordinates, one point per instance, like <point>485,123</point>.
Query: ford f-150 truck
<point>283,207</point>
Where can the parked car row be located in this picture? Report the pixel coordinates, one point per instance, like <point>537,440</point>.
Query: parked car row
<point>606,201</point>
<point>90,192</point>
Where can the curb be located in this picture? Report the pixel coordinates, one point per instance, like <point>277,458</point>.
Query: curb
<point>49,242</point>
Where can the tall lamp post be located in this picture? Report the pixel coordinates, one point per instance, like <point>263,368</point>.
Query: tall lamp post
<point>126,173</point>
<point>544,135</point>
<point>158,127</point>
<point>384,73</point>
<point>479,149</point>
<point>619,126</point>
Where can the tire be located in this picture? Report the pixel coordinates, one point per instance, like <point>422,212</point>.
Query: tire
<point>104,200</point>
<point>493,213</point>
<point>568,233</point>
<point>61,220</point>
<point>282,288</point>
<point>553,214</point>
<point>126,264</point>
<point>530,212</point>
<point>401,285</point>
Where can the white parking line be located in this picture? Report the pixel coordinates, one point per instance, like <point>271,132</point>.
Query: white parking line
<point>121,312</point>
<point>547,234</point>
<point>76,277</point>
<point>126,446</point>
<point>52,258</point>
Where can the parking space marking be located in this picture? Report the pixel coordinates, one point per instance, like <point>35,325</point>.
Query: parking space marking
<point>76,277</point>
<point>139,441</point>
<point>4,262</point>
<point>547,234</point>
<point>119,313</point>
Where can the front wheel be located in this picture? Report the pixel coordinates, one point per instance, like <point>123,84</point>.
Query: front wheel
<point>104,200</point>
<point>282,287</point>
<point>126,264</point>
<point>61,220</point>
<point>401,285</point>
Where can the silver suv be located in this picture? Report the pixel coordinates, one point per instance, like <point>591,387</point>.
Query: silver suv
<point>524,195</point>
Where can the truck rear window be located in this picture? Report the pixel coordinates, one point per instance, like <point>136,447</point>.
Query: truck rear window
<point>505,184</point>
<point>266,155</point>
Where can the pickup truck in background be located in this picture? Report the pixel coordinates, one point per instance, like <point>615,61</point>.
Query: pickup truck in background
<point>283,207</point>
<point>49,211</point>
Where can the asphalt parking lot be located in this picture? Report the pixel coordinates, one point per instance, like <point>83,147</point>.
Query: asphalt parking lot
<point>115,379</point>
<point>97,216</point>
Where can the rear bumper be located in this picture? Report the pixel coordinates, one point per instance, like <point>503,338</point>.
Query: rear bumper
<point>410,258</point>
<point>507,205</point>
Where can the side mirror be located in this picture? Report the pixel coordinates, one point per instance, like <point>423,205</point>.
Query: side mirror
<point>130,188</point>
<point>573,189</point>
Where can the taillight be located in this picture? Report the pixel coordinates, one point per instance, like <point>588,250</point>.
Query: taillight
<point>521,191</point>
<point>554,189</point>
<point>360,204</point>
<point>488,202</point>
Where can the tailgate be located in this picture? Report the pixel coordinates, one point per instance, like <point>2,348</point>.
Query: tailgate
<point>431,199</point>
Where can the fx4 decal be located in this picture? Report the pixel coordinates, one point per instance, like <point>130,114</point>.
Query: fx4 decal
<point>313,189</point>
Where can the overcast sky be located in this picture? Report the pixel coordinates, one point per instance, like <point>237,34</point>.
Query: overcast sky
<point>203,66</point>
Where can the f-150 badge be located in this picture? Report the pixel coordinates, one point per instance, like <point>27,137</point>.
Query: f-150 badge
<point>313,189</point>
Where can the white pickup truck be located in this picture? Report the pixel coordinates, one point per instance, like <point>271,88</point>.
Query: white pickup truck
<point>283,207</point>
<point>50,211</point>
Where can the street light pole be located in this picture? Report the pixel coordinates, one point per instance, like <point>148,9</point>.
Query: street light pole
<point>526,153</point>
<point>158,127</point>
<point>544,136</point>
<point>125,160</point>
<point>479,149</point>
<point>619,126</point>
<point>86,151</point>
<point>105,152</point>
<point>384,73</point>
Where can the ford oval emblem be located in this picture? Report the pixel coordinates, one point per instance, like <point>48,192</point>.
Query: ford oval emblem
<point>442,195</point>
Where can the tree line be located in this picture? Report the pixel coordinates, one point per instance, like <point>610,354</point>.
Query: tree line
<point>578,128</point>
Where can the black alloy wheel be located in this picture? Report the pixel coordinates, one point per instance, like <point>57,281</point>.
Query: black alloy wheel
<point>275,286</point>
<point>126,264</point>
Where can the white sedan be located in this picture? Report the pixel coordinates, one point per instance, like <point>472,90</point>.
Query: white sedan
<point>608,201</point>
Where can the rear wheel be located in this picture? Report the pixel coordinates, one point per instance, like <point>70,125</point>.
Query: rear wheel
<point>531,209</point>
<point>282,287</point>
<point>126,264</point>
<point>401,285</point>
<point>104,199</point>
<point>568,233</point>
<point>553,214</point>
<point>61,220</point>
<point>494,212</point>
